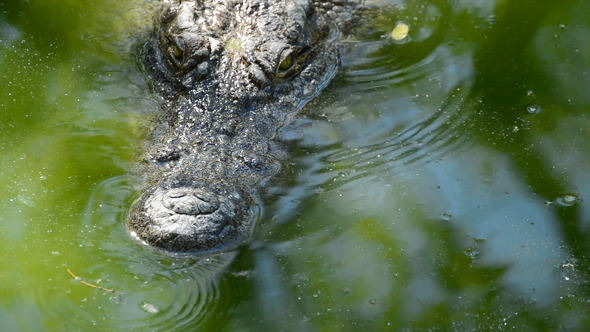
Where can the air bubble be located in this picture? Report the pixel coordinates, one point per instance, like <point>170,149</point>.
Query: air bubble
<point>533,109</point>
<point>568,200</point>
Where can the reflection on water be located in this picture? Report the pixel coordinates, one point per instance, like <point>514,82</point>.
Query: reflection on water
<point>445,164</point>
<point>439,184</point>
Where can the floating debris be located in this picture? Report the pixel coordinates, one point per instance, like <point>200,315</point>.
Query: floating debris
<point>148,307</point>
<point>400,32</point>
<point>80,280</point>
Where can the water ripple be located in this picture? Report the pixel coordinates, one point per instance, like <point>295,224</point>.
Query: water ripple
<point>394,132</point>
<point>398,110</point>
<point>423,141</point>
<point>150,290</point>
<point>373,77</point>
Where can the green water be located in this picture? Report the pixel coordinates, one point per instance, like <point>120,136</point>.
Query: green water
<point>439,184</point>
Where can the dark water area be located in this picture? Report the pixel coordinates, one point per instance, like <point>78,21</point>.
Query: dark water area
<point>440,183</point>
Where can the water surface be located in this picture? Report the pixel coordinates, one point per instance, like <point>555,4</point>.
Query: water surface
<point>440,183</point>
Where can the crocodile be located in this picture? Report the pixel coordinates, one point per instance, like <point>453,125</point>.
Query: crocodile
<point>228,76</point>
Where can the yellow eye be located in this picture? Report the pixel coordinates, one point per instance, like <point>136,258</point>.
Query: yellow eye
<point>287,63</point>
<point>176,51</point>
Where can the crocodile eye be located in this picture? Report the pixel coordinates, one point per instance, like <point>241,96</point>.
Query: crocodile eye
<point>176,51</point>
<point>173,50</point>
<point>287,63</point>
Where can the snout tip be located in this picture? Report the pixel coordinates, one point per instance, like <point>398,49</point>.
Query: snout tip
<point>191,220</point>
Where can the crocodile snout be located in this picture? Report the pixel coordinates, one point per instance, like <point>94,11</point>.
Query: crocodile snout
<point>191,220</point>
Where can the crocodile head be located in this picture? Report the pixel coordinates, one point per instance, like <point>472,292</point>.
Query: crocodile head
<point>229,75</point>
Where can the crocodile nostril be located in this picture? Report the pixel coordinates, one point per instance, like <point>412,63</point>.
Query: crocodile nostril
<point>177,193</point>
<point>183,201</point>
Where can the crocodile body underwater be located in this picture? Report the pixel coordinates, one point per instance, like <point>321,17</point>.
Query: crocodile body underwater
<point>228,75</point>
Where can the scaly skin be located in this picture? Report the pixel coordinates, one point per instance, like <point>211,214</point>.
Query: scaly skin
<point>229,75</point>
